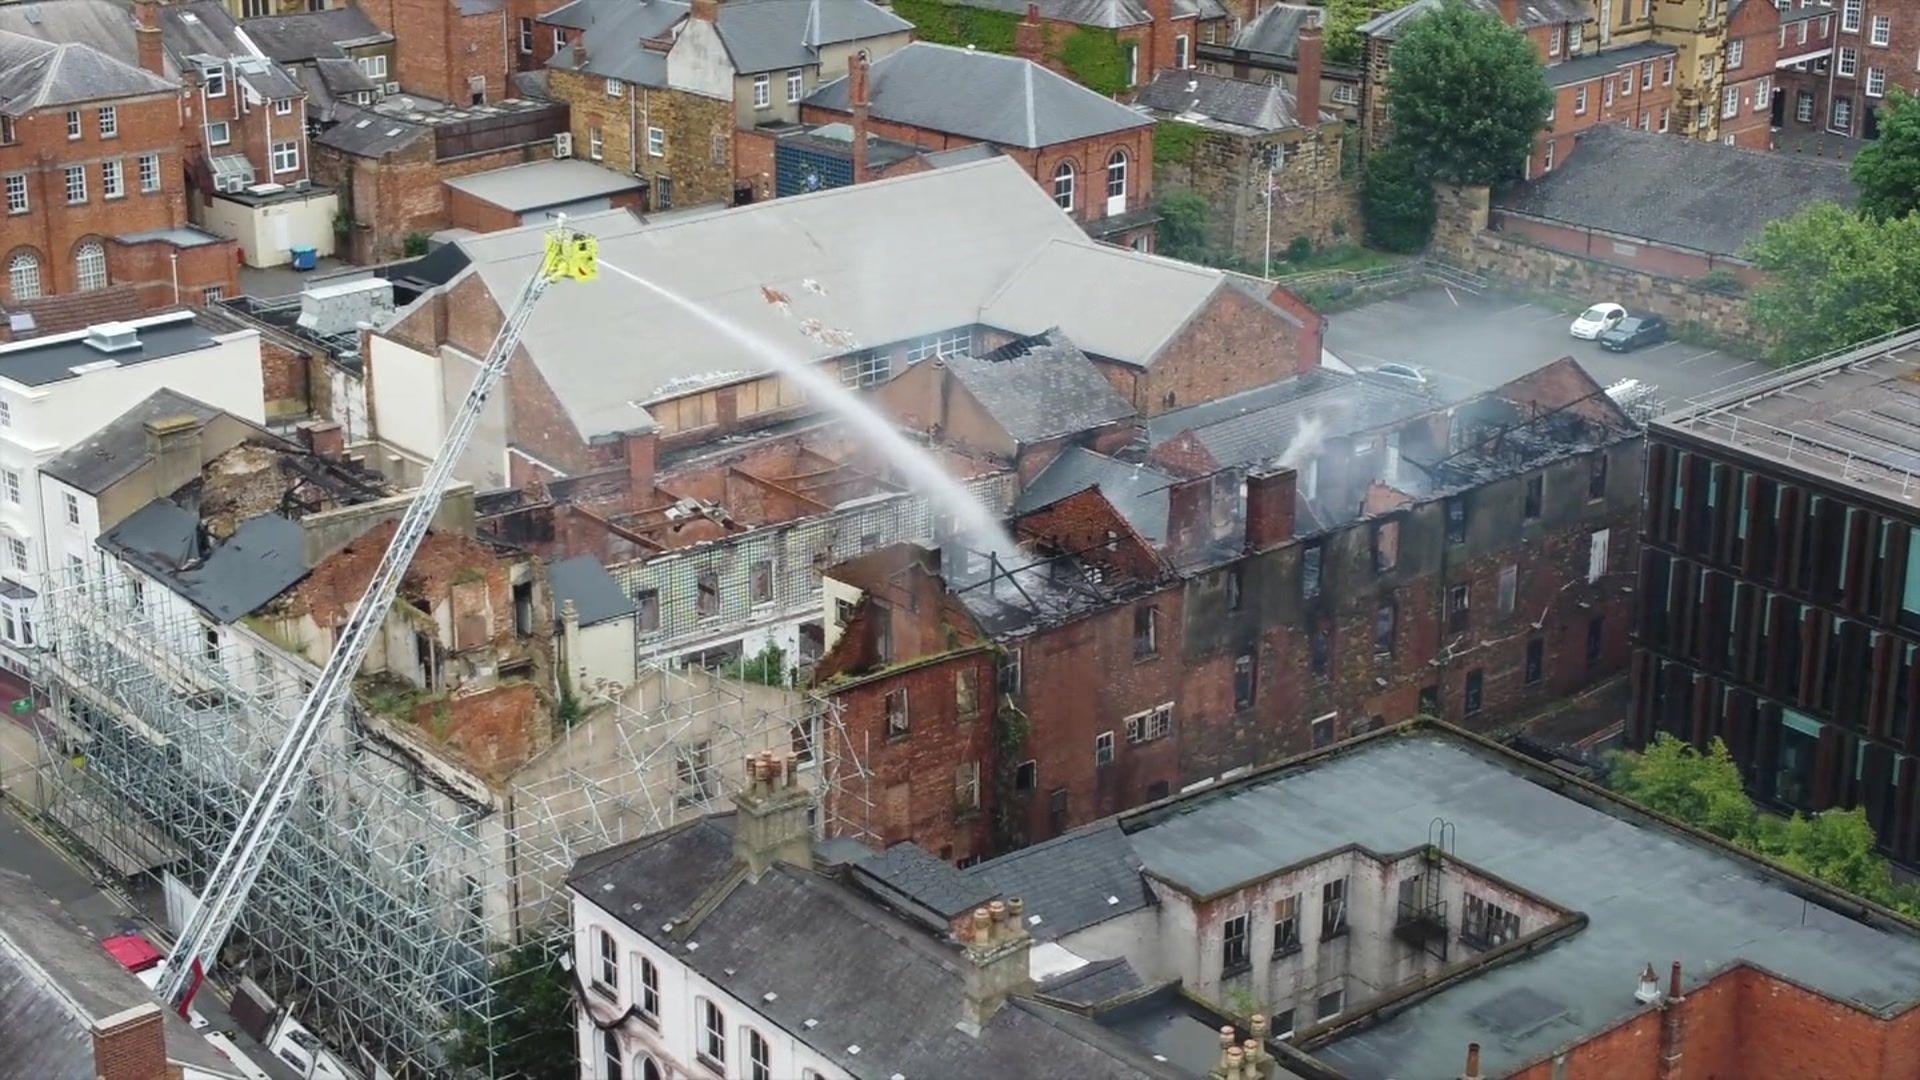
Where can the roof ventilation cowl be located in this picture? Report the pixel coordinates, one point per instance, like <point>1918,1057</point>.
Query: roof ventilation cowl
<point>113,337</point>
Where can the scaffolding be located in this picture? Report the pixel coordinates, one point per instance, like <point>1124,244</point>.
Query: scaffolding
<point>402,879</point>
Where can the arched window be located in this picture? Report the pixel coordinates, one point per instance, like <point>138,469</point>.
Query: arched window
<point>713,1035</point>
<point>1117,182</point>
<point>759,1057</point>
<point>90,265</point>
<point>647,1070</point>
<point>1063,186</point>
<point>23,276</point>
<point>610,1057</point>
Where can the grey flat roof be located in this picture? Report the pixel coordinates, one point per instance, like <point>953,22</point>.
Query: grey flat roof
<point>94,463</point>
<point>40,361</point>
<point>262,558</point>
<point>537,184</point>
<point>596,596</point>
<point>1853,420</point>
<point>1649,892</point>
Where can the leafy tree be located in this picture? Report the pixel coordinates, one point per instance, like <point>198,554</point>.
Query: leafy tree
<point>1398,201</point>
<point>1467,95</point>
<point>1674,779</point>
<point>1342,29</point>
<point>1887,170</point>
<point>535,1039</point>
<point>1182,232</point>
<point>1836,278</point>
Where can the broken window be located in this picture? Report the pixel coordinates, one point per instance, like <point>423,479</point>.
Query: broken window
<point>693,769</point>
<point>1430,700</point>
<point>1322,730</point>
<point>880,617</point>
<point>896,708</point>
<point>646,604</point>
<point>1243,681</point>
<point>842,612</point>
<point>1597,475</point>
<point>1233,945</point>
<point>1386,544</point>
<point>1234,584</point>
<point>1487,925</point>
<point>1146,632</point>
<point>1321,647</point>
<point>1597,554</point>
<point>1509,586</point>
<point>1057,816</point>
<point>210,641</point>
<point>966,786</point>
<point>523,608</point>
<point>1596,638</point>
<point>1536,496</point>
<point>803,735</point>
<point>1383,628</point>
<point>1009,673</point>
<point>1457,520</point>
<point>1536,660</point>
<point>1470,701</point>
<point>707,596</point>
<point>1457,610</point>
<point>1310,571</point>
<point>1153,724</point>
<point>1333,909</point>
<point>762,581</point>
<point>1286,925</point>
<point>1026,775</point>
<point>966,694</point>
<point>1103,750</point>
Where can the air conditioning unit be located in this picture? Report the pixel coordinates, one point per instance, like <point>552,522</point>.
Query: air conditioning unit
<point>393,88</point>
<point>230,185</point>
<point>563,144</point>
<point>302,184</point>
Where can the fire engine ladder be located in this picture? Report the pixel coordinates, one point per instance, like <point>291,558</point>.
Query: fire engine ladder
<point>567,255</point>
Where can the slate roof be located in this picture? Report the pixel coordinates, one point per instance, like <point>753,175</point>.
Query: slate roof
<point>1799,13</point>
<point>102,24</point>
<point>44,360</point>
<point>1276,31</point>
<point>1391,24</point>
<point>36,74</point>
<point>365,133</point>
<point>1258,425</point>
<point>1604,63</point>
<point>1257,106</point>
<point>205,29</point>
<point>95,463</point>
<point>979,95</point>
<point>1112,302</point>
<point>1137,492</point>
<point>55,980</point>
<point>1041,387</point>
<point>960,155</point>
<point>1094,984</point>
<point>1685,186</point>
<point>262,558</point>
<point>909,869</point>
<point>596,596</point>
<point>832,968</point>
<point>312,35</point>
<point>612,31</point>
<point>1103,14</point>
<point>1073,881</point>
<point>763,35</point>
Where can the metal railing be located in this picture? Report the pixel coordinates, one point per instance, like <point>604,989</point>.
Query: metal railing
<point>1426,266</point>
<point>1803,449</point>
<point>1781,378</point>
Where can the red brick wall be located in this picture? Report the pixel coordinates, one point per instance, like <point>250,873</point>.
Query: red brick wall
<point>436,49</point>
<point>51,228</point>
<point>133,1049</point>
<point>1757,28</point>
<point>1652,258</point>
<point>405,193</point>
<point>151,268</point>
<point>465,211</point>
<point>1619,108</point>
<point>285,373</point>
<point>1235,344</point>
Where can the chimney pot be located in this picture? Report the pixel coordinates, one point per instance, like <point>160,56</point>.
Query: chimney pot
<point>1235,1056</point>
<point>149,49</point>
<point>1016,912</point>
<point>1473,1062</point>
<point>1510,12</point>
<point>1029,37</point>
<point>1673,982</point>
<point>706,11</point>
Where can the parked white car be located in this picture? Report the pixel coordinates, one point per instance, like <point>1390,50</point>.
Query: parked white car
<point>1406,375</point>
<point>1597,320</point>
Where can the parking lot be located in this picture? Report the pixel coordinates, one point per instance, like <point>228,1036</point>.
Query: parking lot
<point>1468,343</point>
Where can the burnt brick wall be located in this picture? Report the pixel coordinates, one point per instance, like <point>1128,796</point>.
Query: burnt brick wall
<point>1236,344</point>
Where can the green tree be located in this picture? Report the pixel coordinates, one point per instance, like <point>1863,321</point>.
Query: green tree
<point>1398,202</point>
<point>1673,778</point>
<point>535,1038</point>
<point>1342,29</point>
<point>1836,278</point>
<point>1887,170</point>
<point>1182,232</point>
<point>1468,96</point>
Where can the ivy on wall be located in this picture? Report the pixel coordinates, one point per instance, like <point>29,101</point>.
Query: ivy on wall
<point>1174,142</point>
<point>1096,60</point>
<point>955,24</point>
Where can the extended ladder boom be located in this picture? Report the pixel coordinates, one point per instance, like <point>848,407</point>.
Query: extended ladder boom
<point>568,254</point>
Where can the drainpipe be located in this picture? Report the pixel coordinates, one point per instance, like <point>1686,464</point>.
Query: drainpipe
<point>174,258</point>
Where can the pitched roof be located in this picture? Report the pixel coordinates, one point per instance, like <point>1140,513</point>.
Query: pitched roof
<point>613,31</point>
<point>1257,106</point>
<point>205,29</point>
<point>228,580</point>
<point>1258,425</point>
<point>1112,302</point>
<point>1137,492</point>
<point>1604,63</point>
<point>979,95</point>
<point>1071,882</point>
<point>596,597</point>
<point>1685,187</point>
<point>1391,24</point>
<point>1276,31</point>
<point>36,74</point>
<point>96,462</point>
<point>875,995</point>
<point>762,35</point>
<point>1040,387</point>
<point>365,133</point>
<point>310,35</point>
<point>1103,14</point>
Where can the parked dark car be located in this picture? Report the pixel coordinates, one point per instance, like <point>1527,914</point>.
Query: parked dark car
<point>1634,331</point>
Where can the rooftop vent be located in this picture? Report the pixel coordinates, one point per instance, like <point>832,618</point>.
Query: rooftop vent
<point>113,337</point>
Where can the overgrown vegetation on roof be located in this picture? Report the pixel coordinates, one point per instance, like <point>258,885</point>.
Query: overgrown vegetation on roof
<point>1095,59</point>
<point>957,24</point>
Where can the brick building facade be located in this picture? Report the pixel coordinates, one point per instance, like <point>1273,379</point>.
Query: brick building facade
<point>452,52</point>
<point>1846,87</point>
<point>1803,74</point>
<point>679,142</point>
<point>1140,654</point>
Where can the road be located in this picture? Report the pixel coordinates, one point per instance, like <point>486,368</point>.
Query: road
<point>1469,343</point>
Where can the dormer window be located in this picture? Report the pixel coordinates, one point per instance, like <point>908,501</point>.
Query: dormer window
<point>215,80</point>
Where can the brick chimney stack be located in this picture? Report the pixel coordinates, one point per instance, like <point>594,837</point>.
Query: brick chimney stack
<point>1270,509</point>
<point>1189,515</point>
<point>1306,83</point>
<point>174,444</point>
<point>1510,12</point>
<point>1029,36</point>
<point>997,947</point>
<point>131,1045</point>
<point>1160,51</point>
<point>148,48</point>
<point>859,101</point>
<point>707,11</point>
<point>771,821</point>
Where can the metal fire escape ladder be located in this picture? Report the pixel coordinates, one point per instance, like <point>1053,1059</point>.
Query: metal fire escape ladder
<point>567,254</point>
